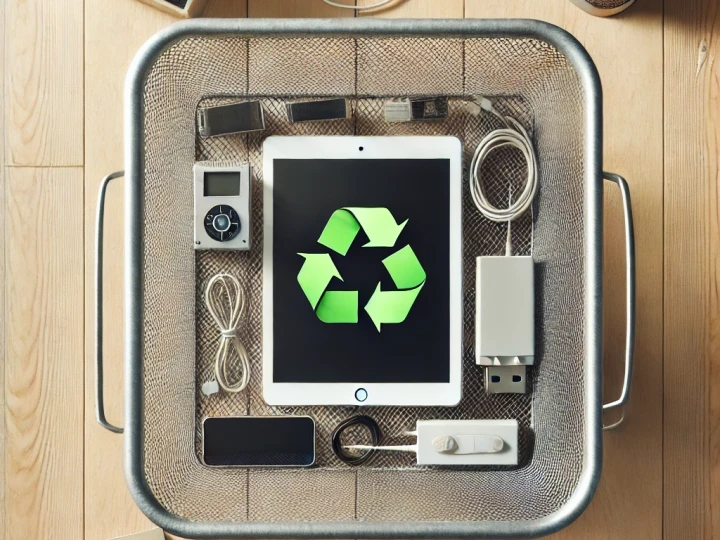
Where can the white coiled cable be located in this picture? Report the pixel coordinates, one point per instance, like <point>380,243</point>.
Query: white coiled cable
<point>225,300</point>
<point>514,135</point>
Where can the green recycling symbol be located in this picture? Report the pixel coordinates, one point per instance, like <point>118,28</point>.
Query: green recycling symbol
<point>384,307</point>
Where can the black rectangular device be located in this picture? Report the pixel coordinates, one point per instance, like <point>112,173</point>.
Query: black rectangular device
<point>234,118</point>
<point>309,111</point>
<point>259,441</point>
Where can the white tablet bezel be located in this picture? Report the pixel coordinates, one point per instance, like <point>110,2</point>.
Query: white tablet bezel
<point>349,147</point>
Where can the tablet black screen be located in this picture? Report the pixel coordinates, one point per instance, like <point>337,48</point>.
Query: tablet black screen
<point>306,193</point>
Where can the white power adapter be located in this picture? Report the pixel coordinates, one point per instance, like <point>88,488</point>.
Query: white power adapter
<point>504,321</point>
<point>467,442</point>
<point>460,442</point>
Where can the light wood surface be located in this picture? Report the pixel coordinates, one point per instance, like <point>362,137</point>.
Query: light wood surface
<point>43,83</point>
<point>115,31</point>
<point>3,519</point>
<point>294,8</point>
<point>44,348</point>
<point>416,9</point>
<point>661,475</point>
<point>692,240</point>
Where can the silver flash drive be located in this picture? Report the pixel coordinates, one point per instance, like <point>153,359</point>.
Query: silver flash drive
<point>504,311</point>
<point>505,322</point>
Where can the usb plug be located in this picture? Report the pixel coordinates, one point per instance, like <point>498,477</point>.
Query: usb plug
<point>505,380</point>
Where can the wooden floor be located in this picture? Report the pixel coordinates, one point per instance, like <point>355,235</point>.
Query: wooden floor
<point>63,66</point>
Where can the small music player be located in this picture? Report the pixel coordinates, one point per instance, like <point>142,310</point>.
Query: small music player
<point>222,205</point>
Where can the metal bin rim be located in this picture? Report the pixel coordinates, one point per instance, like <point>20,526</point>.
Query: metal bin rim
<point>353,27</point>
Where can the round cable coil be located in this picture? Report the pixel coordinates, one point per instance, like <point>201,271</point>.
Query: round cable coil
<point>352,458</point>
<point>515,136</point>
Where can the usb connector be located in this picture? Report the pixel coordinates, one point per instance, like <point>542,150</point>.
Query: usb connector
<point>506,379</point>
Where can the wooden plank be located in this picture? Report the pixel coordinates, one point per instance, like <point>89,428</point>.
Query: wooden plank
<point>226,8</point>
<point>296,8</point>
<point>115,31</point>
<point>44,88</point>
<point>44,345</point>
<point>551,10</point>
<point>3,520</point>
<point>692,311</point>
<point>628,53</point>
<point>3,310</point>
<point>415,9</point>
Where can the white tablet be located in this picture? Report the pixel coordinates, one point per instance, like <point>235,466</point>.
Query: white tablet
<point>362,271</point>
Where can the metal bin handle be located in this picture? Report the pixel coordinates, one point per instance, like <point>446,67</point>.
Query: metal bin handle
<point>630,297</point>
<point>99,400</point>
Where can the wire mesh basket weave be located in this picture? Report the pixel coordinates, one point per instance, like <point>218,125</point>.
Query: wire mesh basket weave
<point>534,71</point>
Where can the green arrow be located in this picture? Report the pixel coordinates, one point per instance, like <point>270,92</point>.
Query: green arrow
<point>379,226</point>
<point>405,268</point>
<point>315,275</point>
<point>342,228</point>
<point>391,307</point>
<point>340,231</point>
<point>338,307</point>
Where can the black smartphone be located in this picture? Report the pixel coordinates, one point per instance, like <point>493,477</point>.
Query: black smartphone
<point>259,441</point>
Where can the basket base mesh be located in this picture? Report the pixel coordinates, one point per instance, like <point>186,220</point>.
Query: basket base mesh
<point>480,237</point>
<point>531,82</point>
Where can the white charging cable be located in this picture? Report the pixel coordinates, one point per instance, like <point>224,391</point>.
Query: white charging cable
<point>358,8</point>
<point>514,135</point>
<point>225,300</point>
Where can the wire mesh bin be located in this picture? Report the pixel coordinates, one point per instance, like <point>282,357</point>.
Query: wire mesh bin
<point>534,70</point>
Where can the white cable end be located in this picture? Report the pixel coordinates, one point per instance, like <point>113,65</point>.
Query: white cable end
<point>473,108</point>
<point>508,236</point>
<point>211,387</point>
<point>508,241</point>
<point>484,103</point>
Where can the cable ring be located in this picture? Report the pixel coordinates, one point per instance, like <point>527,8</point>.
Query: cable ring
<point>359,420</point>
<point>513,135</point>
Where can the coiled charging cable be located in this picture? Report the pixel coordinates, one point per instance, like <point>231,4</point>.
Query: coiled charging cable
<point>515,136</point>
<point>349,457</point>
<point>225,300</point>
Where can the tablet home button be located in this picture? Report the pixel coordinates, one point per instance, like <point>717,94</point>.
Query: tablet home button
<point>361,394</point>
